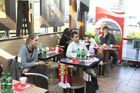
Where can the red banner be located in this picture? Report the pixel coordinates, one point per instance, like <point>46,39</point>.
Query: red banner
<point>114,18</point>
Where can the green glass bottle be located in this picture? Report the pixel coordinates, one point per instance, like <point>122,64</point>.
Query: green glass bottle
<point>108,43</point>
<point>44,51</point>
<point>83,54</point>
<point>78,54</point>
<point>40,47</point>
<point>3,83</point>
<point>9,84</point>
<point>126,63</point>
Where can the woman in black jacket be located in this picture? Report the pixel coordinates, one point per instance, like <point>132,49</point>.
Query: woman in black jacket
<point>65,39</point>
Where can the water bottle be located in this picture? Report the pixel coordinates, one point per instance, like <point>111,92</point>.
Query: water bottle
<point>9,83</point>
<point>78,54</point>
<point>44,51</point>
<point>3,83</point>
<point>126,63</point>
<point>83,54</point>
<point>40,47</point>
<point>108,43</point>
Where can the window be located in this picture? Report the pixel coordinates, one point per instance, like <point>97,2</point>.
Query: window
<point>66,18</point>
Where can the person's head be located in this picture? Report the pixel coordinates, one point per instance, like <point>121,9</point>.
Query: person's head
<point>67,32</point>
<point>105,29</point>
<point>75,36</point>
<point>32,40</point>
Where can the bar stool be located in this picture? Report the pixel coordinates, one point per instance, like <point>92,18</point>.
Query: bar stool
<point>53,66</point>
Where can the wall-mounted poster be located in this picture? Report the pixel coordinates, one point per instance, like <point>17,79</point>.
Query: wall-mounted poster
<point>52,13</point>
<point>2,9</point>
<point>7,14</point>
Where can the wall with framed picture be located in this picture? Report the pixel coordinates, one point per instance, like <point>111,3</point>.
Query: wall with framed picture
<point>7,14</point>
<point>52,13</point>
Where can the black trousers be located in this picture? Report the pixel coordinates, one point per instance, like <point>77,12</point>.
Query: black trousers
<point>90,86</point>
<point>115,57</point>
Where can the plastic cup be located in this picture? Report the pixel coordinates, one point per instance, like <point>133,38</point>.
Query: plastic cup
<point>23,81</point>
<point>48,50</point>
<point>111,46</point>
<point>104,45</point>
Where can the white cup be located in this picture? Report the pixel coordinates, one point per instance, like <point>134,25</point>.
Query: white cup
<point>47,49</point>
<point>111,45</point>
<point>23,81</point>
<point>104,44</point>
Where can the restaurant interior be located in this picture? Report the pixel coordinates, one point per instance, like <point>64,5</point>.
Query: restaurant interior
<point>59,72</point>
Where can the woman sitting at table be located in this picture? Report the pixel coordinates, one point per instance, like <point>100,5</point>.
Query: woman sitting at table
<point>28,57</point>
<point>65,39</point>
<point>72,52</point>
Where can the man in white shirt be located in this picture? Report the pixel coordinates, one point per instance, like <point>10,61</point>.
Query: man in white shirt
<point>72,52</point>
<point>74,45</point>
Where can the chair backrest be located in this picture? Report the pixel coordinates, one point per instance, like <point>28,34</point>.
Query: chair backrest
<point>37,74</point>
<point>57,49</point>
<point>14,68</point>
<point>39,80</point>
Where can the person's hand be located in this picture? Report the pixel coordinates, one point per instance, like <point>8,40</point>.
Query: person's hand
<point>41,63</point>
<point>25,71</point>
<point>105,34</point>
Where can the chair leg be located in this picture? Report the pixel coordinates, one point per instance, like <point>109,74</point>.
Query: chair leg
<point>85,88</point>
<point>54,76</point>
<point>101,70</point>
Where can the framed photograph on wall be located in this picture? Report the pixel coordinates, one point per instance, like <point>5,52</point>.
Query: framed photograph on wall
<point>52,13</point>
<point>7,14</point>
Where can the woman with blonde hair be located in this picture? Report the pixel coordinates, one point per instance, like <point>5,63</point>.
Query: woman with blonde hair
<point>28,57</point>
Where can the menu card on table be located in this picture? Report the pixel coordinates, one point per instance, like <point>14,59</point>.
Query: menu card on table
<point>18,89</point>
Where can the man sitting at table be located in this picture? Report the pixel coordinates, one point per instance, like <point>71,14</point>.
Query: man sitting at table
<point>108,38</point>
<point>72,52</point>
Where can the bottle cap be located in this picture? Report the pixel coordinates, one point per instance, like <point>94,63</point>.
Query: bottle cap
<point>2,74</point>
<point>8,74</point>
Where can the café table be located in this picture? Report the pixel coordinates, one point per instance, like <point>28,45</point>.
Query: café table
<point>82,63</point>
<point>87,63</point>
<point>33,89</point>
<point>107,50</point>
<point>54,55</point>
<point>106,61</point>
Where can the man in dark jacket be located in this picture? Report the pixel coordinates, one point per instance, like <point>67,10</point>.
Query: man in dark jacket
<point>108,38</point>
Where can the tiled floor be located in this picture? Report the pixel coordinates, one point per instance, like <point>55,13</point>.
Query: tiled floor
<point>121,80</point>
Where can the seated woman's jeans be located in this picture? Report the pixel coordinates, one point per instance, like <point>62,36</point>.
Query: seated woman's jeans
<point>100,56</point>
